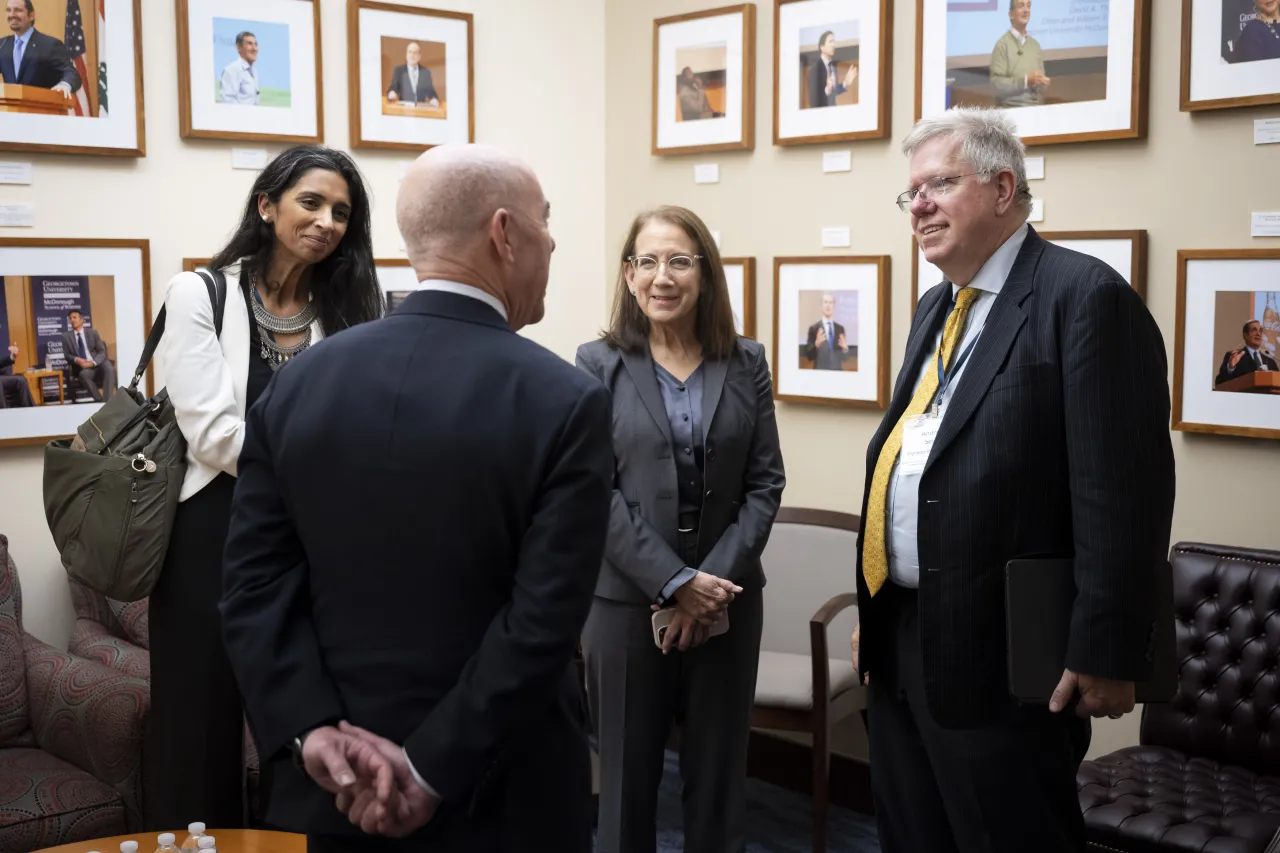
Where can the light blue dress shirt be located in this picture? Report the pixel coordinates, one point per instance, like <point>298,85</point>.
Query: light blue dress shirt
<point>240,83</point>
<point>904,487</point>
<point>20,50</point>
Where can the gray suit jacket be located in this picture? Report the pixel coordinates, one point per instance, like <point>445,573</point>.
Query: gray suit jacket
<point>743,473</point>
<point>93,342</point>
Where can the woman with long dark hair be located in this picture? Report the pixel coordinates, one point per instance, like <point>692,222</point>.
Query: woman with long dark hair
<point>300,266</point>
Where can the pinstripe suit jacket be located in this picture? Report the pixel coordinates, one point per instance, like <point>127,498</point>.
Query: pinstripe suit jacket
<point>743,473</point>
<point>1055,444</point>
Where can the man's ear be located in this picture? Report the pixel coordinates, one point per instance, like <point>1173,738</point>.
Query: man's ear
<point>499,228</point>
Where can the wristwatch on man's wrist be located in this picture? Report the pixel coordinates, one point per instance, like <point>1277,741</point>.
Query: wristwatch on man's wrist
<point>295,747</point>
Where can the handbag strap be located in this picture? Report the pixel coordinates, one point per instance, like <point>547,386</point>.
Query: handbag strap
<point>216,283</point>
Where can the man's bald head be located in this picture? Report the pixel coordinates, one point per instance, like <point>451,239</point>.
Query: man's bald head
<point>450,193</point>
<point>476,215</point>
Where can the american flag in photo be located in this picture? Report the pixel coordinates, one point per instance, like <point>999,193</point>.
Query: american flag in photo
<point>102,58</point>
<point>75,46</point>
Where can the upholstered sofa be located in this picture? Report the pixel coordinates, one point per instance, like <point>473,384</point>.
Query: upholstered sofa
<point>1206,775</point>
<point>70,737</point>
<point>116,634</point>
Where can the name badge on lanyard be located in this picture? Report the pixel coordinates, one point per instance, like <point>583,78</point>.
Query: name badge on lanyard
<point>918,434</point>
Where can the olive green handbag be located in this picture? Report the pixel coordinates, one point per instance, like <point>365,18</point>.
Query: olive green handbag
<point>111,491</point>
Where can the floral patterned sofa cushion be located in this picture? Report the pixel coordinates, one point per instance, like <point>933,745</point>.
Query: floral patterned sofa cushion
<point>15,727</point>
<point>45,801</point>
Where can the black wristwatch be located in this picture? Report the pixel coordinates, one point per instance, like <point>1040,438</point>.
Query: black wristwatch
<point>295,746</point>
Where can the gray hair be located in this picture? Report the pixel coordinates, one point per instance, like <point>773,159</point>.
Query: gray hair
<point>988,142</point>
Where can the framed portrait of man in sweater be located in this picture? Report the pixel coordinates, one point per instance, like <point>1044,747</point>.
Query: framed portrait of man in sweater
<point>1067,71</point>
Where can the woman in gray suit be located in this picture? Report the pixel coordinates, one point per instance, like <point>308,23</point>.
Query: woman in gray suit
<point>698,480</point>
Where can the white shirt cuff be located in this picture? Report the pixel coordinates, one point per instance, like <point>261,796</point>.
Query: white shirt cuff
<point>423,782</point>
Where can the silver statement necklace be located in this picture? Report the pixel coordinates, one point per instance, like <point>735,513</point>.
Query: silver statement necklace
<point>269,325</point>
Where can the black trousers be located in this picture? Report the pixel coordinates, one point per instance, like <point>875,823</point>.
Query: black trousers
<point>193,766</point>
<point>635,694</point>
<point>1008,787</point>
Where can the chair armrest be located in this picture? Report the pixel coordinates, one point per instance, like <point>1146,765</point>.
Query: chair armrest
<point>90,642</point>
<point>89,715</point>
<point>818,647</point>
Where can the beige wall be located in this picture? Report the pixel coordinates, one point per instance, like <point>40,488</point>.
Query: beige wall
<point>184,197</point>
<point>1191,184</point>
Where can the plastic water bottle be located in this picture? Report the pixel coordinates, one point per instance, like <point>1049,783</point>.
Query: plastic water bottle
<point>207,842</point>
<point>128,847</point>
<point>194,832</point>
<point>166,842</point>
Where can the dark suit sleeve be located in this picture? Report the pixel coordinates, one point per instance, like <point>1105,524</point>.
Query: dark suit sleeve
<point>98,350</point>
<point>743,541</point>
<point>528,647</point>
<point>817,85</point>
<point>811,345</point>
<point>60,60</point>
<point>1225,373</point>
<point>397,78</point>
<point>6,361</point>
<point>1121,475</point>
<point>633,547</point>
<point>431,86</point>
<point>266,615</point>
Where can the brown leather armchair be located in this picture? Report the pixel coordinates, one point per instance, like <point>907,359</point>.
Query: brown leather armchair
<point>1206,775</point>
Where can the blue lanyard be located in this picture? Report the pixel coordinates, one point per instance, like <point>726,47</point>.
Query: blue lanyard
<point>944,378</point>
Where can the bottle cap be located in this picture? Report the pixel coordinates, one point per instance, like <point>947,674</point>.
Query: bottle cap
<point>129,847</point>
<point>206,842</point>
<point>166,838</point>
<point>196,828</point>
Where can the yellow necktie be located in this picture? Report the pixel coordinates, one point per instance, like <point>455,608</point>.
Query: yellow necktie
<point>875,558</point>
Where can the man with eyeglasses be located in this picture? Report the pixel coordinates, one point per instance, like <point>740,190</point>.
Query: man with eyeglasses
<point>1244,360</point>
<point>1030,418</point>
<point>827,345</point>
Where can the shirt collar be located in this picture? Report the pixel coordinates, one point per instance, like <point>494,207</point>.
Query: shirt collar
<point>1021,37</point>
<point>1251,350</point>
<point>25,38</point>
<point>468,290</point>
<point>992,276</point>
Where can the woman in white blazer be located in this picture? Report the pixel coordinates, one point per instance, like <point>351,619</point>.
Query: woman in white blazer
<point>299,266</point>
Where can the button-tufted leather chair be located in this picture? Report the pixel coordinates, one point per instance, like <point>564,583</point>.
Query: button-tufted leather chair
<point>1206,776</point>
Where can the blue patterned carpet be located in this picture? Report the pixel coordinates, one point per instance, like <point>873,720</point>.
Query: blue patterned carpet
<point>778,821</point>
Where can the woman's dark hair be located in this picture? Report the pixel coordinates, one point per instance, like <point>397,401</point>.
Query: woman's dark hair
<point>629,327</point>
<point>344,285</point>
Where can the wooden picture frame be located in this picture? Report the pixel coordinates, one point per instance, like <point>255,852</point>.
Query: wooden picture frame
<point>1131,244</point>
<point>281,101</point>
<point>109,114</point>
<point>375,120</point>
<point>1204,400</point>
<point>944,81</point>
<point>799,117</point>
<point>41,279</point>
<point>800,287</point>
<point>722,44</point>
<point>1216,65</point>
<point>744,312</point>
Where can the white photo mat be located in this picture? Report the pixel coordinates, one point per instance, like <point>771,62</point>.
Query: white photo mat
<point>120,128</point>
<point>793,122</point>
<point>857,385</point>
<point>300,118</point>
<point>1113,114</point>
<point>124,265</point>
<point>1201,404</point>
<point>722,29</point>
<point>453,33</point>
<point>735,275</point>
<point>1212,77</point>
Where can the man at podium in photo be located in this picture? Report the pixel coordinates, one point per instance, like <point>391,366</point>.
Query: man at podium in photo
<point>411,82</point>
<point>31,58</point>
<point>1244,360</point>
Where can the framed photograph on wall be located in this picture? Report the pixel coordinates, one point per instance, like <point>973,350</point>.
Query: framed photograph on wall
<point>831,330</point>
<point>831,70</point>
<point>1124,251</point>
<point>74,316</point>
<point>415,83</point>
<point>1065,71</point>
<point>77,88</point>
<point>250,70</point>
<point>704,81</point>
<point>1230,54</point>
<point>741,276</point>
<point>1226,371</point>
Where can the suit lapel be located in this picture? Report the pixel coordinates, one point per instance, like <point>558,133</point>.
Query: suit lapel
<point>713,375</point>
<point>639,366</point>
<point>1001,329</point>
<point>28,71</point>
